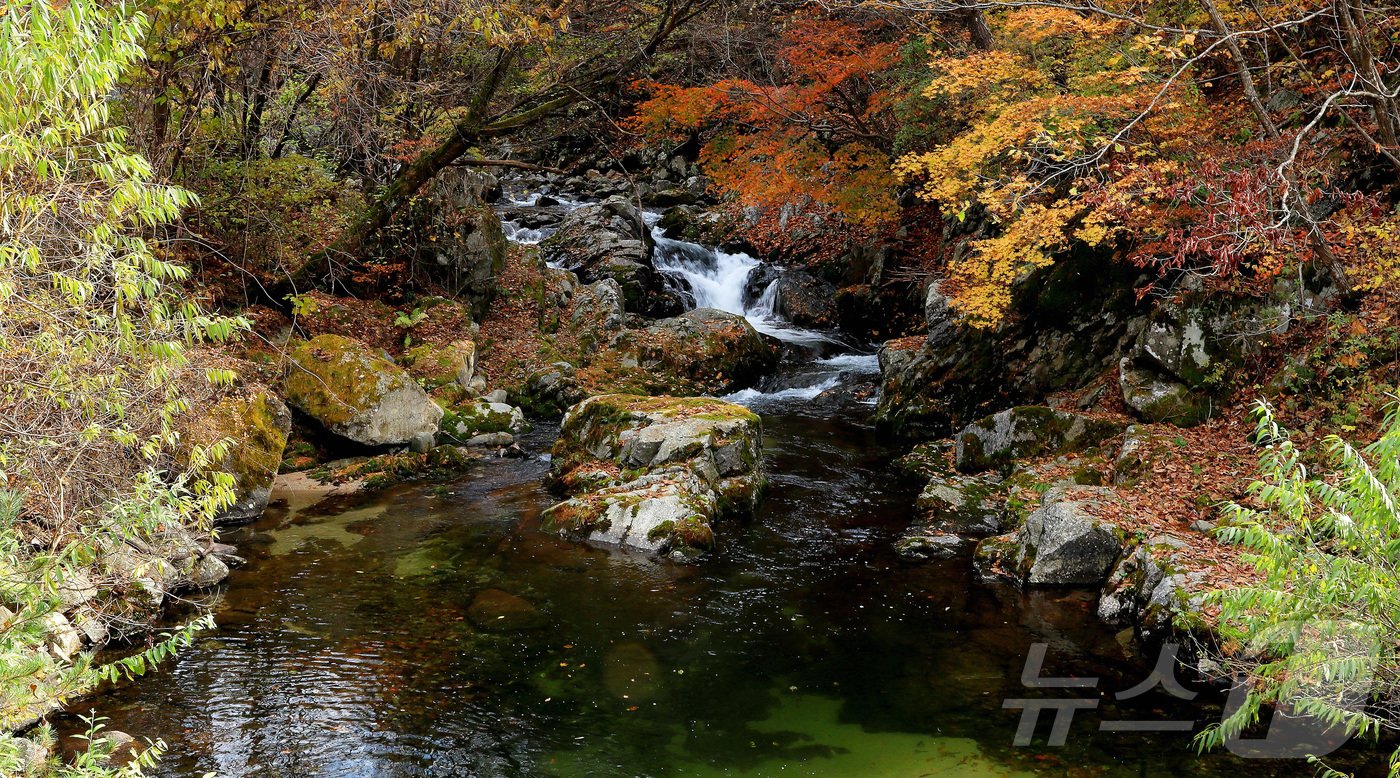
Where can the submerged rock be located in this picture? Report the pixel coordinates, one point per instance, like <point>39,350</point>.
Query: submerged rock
<point>1063,542</point>
<point>1001,439</point>
<point>923,546</point>
<point>655,473</point>
<point>357,395</point>
<point>496,610</point>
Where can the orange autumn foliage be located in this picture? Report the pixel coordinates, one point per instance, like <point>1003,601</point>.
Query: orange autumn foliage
<point>815,140</point>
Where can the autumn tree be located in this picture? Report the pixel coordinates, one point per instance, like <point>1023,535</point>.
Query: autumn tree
<point>815,130</point>
<point>1215,139</point>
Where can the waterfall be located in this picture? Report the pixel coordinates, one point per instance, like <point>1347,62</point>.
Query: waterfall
<point>716,278</point>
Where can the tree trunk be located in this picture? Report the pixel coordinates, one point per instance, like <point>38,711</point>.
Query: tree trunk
<point>1241,69</point>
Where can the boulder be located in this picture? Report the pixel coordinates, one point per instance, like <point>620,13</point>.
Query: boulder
<point>1147,589</point>
<point>464,422</point>
<point>706,351</point>
<point>607,240</point>
<point>1001,439</point>
<point>551,391</point>
<point>805,300</point>
<point>357,395</point>
<point>462,239</point>
<point>962,505</point>
<point>436,366</point>
<point>655,473</point>
<point>259,424</point>
<point>1063,542</point>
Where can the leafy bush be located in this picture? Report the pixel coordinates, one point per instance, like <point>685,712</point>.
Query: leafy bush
<point>1318,633</point>
<point>98,355</point>
<point>269,215</point>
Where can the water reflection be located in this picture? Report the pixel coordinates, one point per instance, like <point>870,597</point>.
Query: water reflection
<point>435,631</point>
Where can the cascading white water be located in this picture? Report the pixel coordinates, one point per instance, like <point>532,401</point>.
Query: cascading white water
<point>711,278</point>
<point>716,279</point>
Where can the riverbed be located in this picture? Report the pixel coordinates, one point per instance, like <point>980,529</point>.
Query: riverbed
<point>433,629</point>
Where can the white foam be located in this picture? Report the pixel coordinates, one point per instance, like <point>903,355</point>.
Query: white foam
<point>754,396</point>
<point>858,363</point>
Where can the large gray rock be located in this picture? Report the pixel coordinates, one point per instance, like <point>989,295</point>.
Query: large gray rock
<point>464,243</point>
<point>608,240</point>
<point>1063,542</point>
<point>1001,439</point>
<point>804,299</point>
<point>655,473</point>
<point>357,395</point>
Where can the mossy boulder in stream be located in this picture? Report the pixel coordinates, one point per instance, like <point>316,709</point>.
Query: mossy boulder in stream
<point>707,351</point>
<point>655,473</point>
<point>464,422</point>
<point>358,395</point>
<point>259,424</point>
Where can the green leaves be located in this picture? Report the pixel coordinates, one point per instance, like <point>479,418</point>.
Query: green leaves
<point>1318,634</point>
<point>96,344</point>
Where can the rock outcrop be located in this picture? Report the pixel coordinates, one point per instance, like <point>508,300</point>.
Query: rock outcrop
<point>706,351</point>
<point>358,395</point>
<point>1070,323</point>
<point>655,474</point>
<point>1174,370</point>
<point>462,238</point>
<point>1001,439</point>
<point>1064,542</point>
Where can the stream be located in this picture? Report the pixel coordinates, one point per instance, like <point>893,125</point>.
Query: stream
<point>433,629</point>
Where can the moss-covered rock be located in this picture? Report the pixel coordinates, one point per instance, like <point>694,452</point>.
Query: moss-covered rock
<point>655,473</point>
<point>358,395</point>
<point>259,424</point>
<point>1001,439</point>
<point>465,421</point>
<point>706,351</point>
<point>436,366</point>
